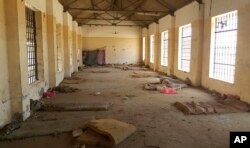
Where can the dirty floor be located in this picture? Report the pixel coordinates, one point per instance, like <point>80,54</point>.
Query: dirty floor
<point>160,125</point>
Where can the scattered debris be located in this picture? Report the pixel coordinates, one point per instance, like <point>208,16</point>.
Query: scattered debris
<point>132,68</point>
<point>44,128</point>
<point>73,80</point>
<point>77,132</point>
<point>188,81</point>
<point>75,107</point>
<point>166,85</point>
<point>82,68</point>
<point>173,83</point>
<point>125,98</point>
<point>98,93</point>
<point>106,133</point>
<point>35,105</point>
<point>154,86</point>
<point>9,128</point>
<point>220,106</point>
<point>64,89</point>
<point>130,96</point>
<point>230,96</point>
<point>100,71</point>
<point>141,75</point>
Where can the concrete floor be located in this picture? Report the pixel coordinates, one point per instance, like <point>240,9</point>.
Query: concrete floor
<point>159,124</point>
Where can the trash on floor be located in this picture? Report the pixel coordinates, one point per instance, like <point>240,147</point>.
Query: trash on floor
<point>64,89</point>
<point>220,106</point>
<point>168,91</point>
<point>173,83</point>
<point>154,86</point>
<point>166,85</point>
<point>49,94</point>
<point>73,80</point>
<point>77,132</point>
<point>141,75</point>
<point>75,106</point>
<point>82,68</point>
<point>106,133</point>
<point>132,68</point>
<point>9,128</point>
<point>36,128</point>
<point>100,71</point>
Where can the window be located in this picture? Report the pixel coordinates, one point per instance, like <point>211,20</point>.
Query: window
<point>31,45</point>
<point>223,47</point>
<point>59,48</point>
<point>143,48</point>
<point>184,56</point>
<point>152,48</point>
<point>164,48</point>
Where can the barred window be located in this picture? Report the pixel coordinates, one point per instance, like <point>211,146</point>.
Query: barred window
<point>59,48</point>
<point>152,48</point>
<point>31,45</point>
<point>184,56</point>
<point>223,47</point>
<point>143,48</point>
<point>164,48</point>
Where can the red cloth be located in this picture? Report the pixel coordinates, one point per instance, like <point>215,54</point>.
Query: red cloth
<point>101,57</point>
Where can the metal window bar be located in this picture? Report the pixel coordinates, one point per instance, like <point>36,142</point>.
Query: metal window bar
<point>186,36</point>
<point>152,49</point>
<point>31,45</point>
<point>225,43</point>
<point>164,52</point>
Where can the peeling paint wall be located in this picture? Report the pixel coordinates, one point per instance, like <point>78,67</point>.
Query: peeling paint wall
<point>5,110</point>
<point>122,44</point>
<point>15,92</point>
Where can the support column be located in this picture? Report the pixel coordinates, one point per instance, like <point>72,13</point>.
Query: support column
<point>66,41</point>
<point>75,46</point>
<point>17,54</point>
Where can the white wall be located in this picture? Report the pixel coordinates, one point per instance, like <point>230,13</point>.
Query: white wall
<point>153,29</point>
<point>187,14</point>
<point>223,6</point>
<point>166,23</point>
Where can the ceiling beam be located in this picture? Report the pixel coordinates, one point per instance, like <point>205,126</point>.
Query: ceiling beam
<point>170,8</point>
<point>111,25</point>
<point>124,11</point>
<point>135,20</point>
<point>66,7</point>
<point>74,17</point>
<point>136,8</point>
<point>199,1</point>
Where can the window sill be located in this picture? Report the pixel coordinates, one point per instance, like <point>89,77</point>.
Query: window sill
<point>221,81</point>
<point>38,82</point>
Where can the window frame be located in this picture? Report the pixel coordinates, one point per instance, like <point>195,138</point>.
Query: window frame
<point>152,48</point>
<point>213,44</point>
<point>180,48</point>
<point>164,51</point>
<point>143,49</point>
<point>31,43</point>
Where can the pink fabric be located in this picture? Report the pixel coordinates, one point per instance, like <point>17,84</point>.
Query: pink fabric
<point>101,57</point>
<point>49,94</point>
<point>168,91</point>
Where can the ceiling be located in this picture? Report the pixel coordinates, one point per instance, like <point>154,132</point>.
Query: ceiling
<point>121,12</point>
